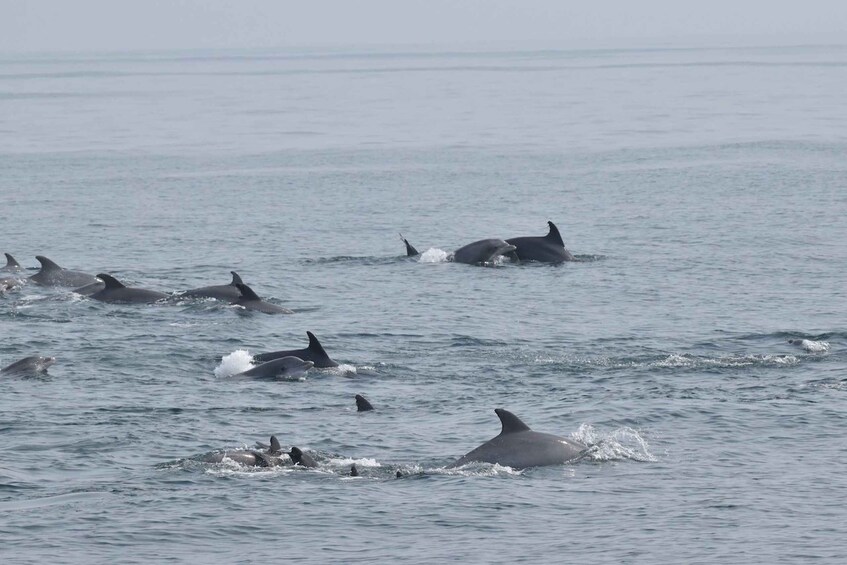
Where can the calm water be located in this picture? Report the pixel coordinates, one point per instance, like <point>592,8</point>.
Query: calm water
<point>704,191</point>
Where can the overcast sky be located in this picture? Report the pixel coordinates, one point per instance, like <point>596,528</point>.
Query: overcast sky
<point>73,25</point>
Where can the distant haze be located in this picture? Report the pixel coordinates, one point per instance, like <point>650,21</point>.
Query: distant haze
<point>113,25</point>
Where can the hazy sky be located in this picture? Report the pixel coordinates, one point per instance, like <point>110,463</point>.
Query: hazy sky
<point>69,25</point>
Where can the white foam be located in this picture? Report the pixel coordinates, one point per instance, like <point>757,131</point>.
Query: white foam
<point>433,255</point>
<point>347,461</point>
<point>236,362</point>
<point>622,443</point>
<point>814,346</point>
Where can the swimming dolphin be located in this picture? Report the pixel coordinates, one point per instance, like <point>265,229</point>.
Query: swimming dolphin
<point>12,266</point>
<point>482,251</point>
<point>354,472</point>
<point>249,457</point>
<point>314,353</point>
<point>115,291</point>
<point>221,292</point>
<point>52,274</point>
<point>547,249</point>
<point>251,301</point>
<point>29,366</point>
<point>410,250</point>
<point>9,283</point>
<point>362,404</point>
<point>300,458</point>
<point>284,368</point>
<point>519,447</point>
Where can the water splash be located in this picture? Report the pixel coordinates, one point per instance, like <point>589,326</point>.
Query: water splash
<point>433,255</point>
<point>620,444</point>
<point>236,362</point>
<point>810,345</point>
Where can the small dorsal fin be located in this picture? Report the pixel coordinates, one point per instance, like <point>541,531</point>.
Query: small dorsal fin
<point>354,472</point>
<point>554,234</point>
<point>11,263</point>
<point>47,264</point>
<point>511,423</point>
<point>235,279</point>
<point>362,404</point>
<point>111,282</point>
<point>247,292</point>
<point>275,447</point>
<point>315,346</point>
<point>410,250</point>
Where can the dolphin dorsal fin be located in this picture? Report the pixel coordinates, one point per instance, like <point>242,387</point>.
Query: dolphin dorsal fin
<point>235,279</point>
<point>554,234</point>
<point>111,282</point>
<point>410,250</point>
<point>315,345</point>
<point>11,263</point>
<point>47,264</point>
<point>247,292</point>
<point>275,446</point>
<point>511,423</point>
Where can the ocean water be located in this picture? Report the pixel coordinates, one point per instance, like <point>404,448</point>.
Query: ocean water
<point>703,191</point>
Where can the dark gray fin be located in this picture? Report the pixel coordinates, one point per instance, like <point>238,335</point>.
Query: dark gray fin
<point>554,234</point>
<point>398,474</point>
<point>236,280</point>
<point>110,281</point>
<point>275,447</point>
<point>410,251</point>
<point>11,263</point>
<point>354,472</point>
<point>362,404</point>
<point>315,346</point>
<point>511,423</point>
<point>47,264</point>
<point>247,292</point>
<point>296,455</point>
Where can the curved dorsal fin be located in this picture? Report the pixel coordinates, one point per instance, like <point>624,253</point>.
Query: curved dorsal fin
<point>274,447</point>
<point>11,263</point>
<point>235,279</point>
<point>554,234</point>
<point>511,423</point>
<point>111,282</point>
<point>47,264</point>
<point>315,345</point>
<point>247,292</point>
<point>410,250</point>
<point>362,404</point>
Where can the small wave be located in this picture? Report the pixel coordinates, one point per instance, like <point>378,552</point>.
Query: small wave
<point>690,361</point>
<point>620,444</point>
<point>364,462</point>
<point>236,362</point>
<point>433,255</point>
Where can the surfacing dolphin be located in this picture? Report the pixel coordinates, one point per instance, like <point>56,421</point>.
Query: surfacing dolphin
<point>249,457</point>
<point>251,301</point>
<point>10,283</point>
<point>519,447</point>
<point>115,291</point>
<point>314,353</point>
<point>220,292</point>
<point>482,251</point>
<point>29,366</point>
<point>12,266</point>
<point>52,274</point>
<point>302,459</point>
<point>284,368</point>
<point>410,250</point>
<point>547,249</point>
<point>362,404</point>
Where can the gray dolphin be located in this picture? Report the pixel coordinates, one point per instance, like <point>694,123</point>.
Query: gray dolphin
<point>52,274</point>
<point>250,457</point>
<point>410,250</point>
<point>547,249</point>
<point>519,447</point>
<point>9,283</point>
<point>300,458</point>
<point>362,404</point>
<point>115,291</point>
<point>314,353</point>
<point>29,366</point>
<point>12,266</point>
<point>482,251</point>
<point>251,301</point>
<point>285,368</point>
<point>221,292</point>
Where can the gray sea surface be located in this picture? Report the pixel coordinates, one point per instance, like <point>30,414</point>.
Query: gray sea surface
<point>702,190</point>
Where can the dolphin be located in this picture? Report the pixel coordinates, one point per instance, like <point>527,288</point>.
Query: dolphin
<point>52,274</point>
<point>284,368</point>
<point>251,301</point>
<point>482,251</point>
<point>519,447</point>
<point>546,249</point>
<point>249,457</point>
<point>362,404</point>
<point>300,458</point>
<point>410,250</point>
<point>9,283</point>
<point>115,291</point>
<point>29,366</point>
<point>12,266</point>
<point>221,292</point>
<point>314,353</point>
<point>354,472</point>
